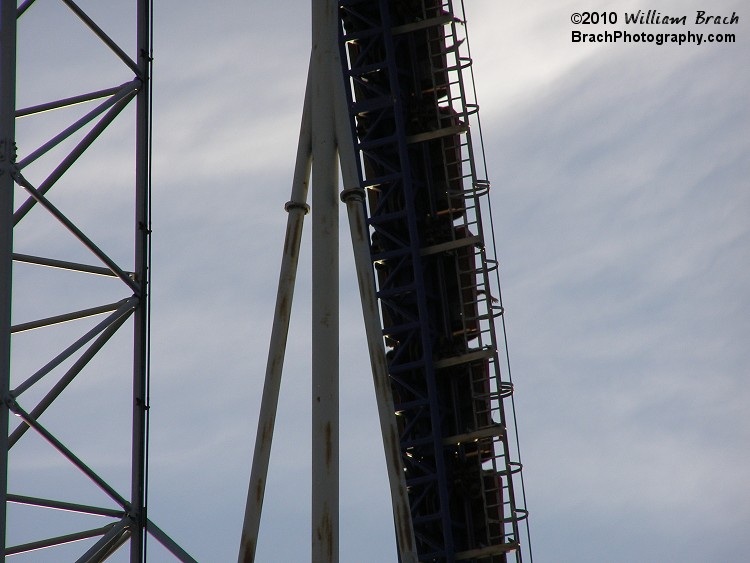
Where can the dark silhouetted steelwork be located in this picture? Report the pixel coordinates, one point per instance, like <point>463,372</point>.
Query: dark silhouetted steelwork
<point>414,123</point>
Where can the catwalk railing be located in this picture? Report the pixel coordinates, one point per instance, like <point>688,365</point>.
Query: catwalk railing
<point>414,120</point>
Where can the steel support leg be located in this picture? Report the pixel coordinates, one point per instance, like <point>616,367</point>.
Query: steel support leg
<point>7,149</point>
<point>141,323</point>
<point>297,208</point>
<point>325,282</point>
<point>325,121</point>
<point>384,398</point>
<point>353,197</point>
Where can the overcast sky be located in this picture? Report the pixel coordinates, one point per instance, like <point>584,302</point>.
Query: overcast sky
<point>622,218</point>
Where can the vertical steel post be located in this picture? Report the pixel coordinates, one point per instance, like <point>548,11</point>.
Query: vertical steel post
<point>324,124</point>
<point>297,208</point>
<point>141,322</point>
<point>354,197</point>
<point>325,291</point>
<point>132,525</point>
<point>7,149</point>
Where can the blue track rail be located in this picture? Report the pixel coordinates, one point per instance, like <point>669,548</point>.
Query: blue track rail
<point>410,125</point>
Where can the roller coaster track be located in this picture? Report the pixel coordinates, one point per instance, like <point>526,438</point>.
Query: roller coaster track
<point>414,121</point>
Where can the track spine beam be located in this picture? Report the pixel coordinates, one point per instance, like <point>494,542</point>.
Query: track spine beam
<point>411,121</point>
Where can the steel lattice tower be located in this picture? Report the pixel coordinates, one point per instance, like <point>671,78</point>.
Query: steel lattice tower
<point>74,294</point>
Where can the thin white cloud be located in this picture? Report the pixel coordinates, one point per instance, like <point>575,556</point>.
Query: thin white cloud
<point>620,177</point>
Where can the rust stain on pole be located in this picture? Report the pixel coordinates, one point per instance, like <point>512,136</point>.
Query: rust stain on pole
<point>329,444</point>
<point>325,534</point>
<point>248,552</point>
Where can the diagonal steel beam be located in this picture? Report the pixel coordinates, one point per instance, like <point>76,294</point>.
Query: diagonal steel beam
<point>168,543</point>
<point>125,92</point>
<point>67,102</point>
<point>296,208</point>
<point>74,155</point>
<point>99,32</point>
<point>72,316</point>
<point>64,506</point>
<point>76,232</point>
<point>64,265</point>
<point>69,376</point>
<point>67,453</point>
<point>109,542</point>
<point>125,308</point>
<point>23,7</point>
<point>58,540</point>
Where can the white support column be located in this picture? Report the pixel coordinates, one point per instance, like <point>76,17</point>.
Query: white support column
<point>324,124</point>
<point>354,197</point>
<point>325,287</point>
<point>297,208</point>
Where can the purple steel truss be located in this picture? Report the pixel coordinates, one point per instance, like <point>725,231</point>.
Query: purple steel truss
<point>405,65</point>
